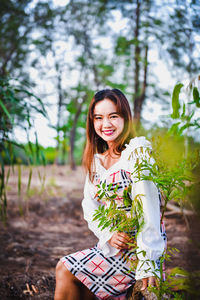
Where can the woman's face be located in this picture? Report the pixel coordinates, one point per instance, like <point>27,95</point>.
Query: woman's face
<point>108,124</point>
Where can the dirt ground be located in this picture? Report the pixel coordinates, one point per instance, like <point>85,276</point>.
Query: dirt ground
<point>47,223</point>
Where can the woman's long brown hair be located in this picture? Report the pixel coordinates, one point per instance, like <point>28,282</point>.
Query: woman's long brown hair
<point>94,143</point>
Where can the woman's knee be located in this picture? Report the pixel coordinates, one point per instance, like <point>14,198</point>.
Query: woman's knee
<point>62,271</point>
<point>66,281</point>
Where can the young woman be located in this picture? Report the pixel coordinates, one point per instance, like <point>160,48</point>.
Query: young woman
<point>110,156</point>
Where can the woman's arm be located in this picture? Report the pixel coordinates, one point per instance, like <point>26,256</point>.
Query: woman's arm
<point>149,240</point>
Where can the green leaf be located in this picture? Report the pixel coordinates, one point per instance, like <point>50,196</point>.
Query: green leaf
<point>185,127</point>
<point>175,100</point>
<point>109,187</point>
<point>29,180</point>
<point>183,113</point>
<point>71,107</point>
<point>196,96</point>
<point>5,111</point>
<point>158,22</point>
<point>153,263</point>
<point>113,196</point>
<point>101,196</point>
<point>101,208</point>
<point>19,183</point>
<point>174,128</point>
<point>116,188</point>
<point>96,216</point>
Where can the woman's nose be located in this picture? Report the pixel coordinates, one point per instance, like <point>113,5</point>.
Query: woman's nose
<point>106,122</point>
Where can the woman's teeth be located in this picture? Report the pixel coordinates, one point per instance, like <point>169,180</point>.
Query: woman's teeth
<point>108,132</point>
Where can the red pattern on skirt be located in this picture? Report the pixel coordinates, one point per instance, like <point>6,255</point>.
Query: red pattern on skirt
<point>106,277</point>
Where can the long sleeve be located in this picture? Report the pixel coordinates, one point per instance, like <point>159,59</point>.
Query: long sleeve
<point>90,204</point>
<point>149,239</point>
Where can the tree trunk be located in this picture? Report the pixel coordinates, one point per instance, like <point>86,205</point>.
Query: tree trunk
<point>72,143</point>
<point>60,103</point>
<point>73,135</point>
<point>139,90</point>
<point>64,148</point>
<point>139,100</point>
<point>137,66</point>
<point>137,51</point>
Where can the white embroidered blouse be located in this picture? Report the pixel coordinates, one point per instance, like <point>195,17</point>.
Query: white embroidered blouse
<point>122,173</point>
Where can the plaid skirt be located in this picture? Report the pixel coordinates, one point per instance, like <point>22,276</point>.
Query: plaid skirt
<point>106,277</point>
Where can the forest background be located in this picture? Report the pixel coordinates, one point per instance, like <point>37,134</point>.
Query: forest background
<point>54,55</point>
<point>64,54</point>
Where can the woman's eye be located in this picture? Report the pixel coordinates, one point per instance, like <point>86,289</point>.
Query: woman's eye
<point>114,116</point>
<point>97,118</point>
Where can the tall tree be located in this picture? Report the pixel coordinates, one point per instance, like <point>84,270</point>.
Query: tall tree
<point>139,88</point>
<point>134,47</point>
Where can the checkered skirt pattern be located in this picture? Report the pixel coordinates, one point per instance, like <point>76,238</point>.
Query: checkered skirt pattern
<point>106,277</point>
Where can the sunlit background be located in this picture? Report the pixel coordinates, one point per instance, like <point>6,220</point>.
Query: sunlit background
<point>163,73</point>
<point>54,55</point>
<point>67,50</point>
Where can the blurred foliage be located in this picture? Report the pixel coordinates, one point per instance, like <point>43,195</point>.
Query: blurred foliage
<point>172,172</point>
<point>189,119</point>
<point>17,105</point>
<point>19,20</point>
<point>180,38</point>
<point>189,107</point>
<point>180,284</point>
<point>44,35</point>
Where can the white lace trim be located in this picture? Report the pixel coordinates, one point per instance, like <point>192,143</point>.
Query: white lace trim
<point>137,142</point>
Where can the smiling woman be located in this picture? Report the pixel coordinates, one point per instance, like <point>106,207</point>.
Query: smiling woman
<point>110,158</point>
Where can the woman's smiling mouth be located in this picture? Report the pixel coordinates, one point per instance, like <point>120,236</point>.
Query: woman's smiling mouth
<point>108,132</point>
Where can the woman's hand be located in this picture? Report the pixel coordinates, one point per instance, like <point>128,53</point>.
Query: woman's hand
<point>149,281</point>
<point>120,240</point>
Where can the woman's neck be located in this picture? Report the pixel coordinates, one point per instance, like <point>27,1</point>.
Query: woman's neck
<point>109,158</point>
<point>111,153</point>
<point>111,149</point>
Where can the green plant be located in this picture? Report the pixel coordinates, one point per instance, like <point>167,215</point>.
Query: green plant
<point>187,98</point>
<point>17,104</point>
<point>110,215</point>
<point>178,285</point>
<point>174,180</point>
<point>190,103</point>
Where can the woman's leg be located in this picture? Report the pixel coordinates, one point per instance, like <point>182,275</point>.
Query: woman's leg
<point>68,287</point>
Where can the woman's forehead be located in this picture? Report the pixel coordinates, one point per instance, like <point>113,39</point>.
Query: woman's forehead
<point>105,105</point>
